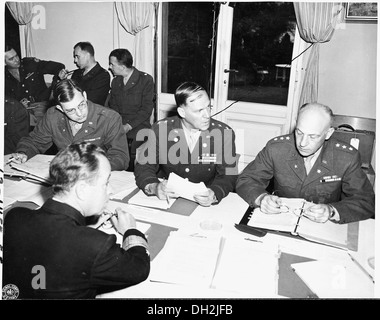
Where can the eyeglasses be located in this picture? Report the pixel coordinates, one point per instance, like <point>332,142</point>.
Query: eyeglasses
<point>296,211</point>
<point>80,107</point>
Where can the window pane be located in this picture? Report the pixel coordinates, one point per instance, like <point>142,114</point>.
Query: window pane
<point>262,45</point>
<point>187,35</point>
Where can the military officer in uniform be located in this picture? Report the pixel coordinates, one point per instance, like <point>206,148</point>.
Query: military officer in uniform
<point>310,164</point>
<point>192,145</point>
<point>24,81</point>
<point>131,95</point>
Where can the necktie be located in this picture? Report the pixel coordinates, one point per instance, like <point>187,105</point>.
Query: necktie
<point>308,164</point>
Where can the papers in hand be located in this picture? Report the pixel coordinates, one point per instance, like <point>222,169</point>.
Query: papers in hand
<point>184,188</point>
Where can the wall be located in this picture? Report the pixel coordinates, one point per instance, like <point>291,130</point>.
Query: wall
<point>70,22</point>
<point>348,66</point>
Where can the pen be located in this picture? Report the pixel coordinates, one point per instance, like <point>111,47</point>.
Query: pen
<point>361,267</point>
<point>10,160</point>
<point>249,239</point>
<point>167,198</point>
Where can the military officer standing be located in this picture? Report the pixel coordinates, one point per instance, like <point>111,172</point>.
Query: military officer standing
<point>24,80</point>
<point>310,165</point>
<point>192,145</point>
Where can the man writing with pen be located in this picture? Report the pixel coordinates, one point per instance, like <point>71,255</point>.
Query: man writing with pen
<point>79,262</point>
<point>312,165</point>
<point>76,119</point>
<point>192,145</point>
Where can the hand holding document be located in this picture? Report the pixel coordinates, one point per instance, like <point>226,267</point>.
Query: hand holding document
<point>184,188</point>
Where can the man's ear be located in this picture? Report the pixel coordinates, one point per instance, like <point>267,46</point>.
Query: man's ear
<point>81,189</point>
<point>181,112</point>
<point>330,131</point>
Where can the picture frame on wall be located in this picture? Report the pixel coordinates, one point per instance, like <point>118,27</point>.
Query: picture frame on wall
<point>361,11</point>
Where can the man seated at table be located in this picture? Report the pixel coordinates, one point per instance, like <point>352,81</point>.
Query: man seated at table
<point>190,144</point>
<point>75,120</point>
<point>309,164</point>
<point>50,253</point>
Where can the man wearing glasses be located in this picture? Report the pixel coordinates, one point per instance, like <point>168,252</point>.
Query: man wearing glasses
<point>311,165</point>
<point>76,119</point>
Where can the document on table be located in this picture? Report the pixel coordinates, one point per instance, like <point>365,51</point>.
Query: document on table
<point>248,267</point>
<point>122,183</point>
<point>36,167</point>
<point>141,199</point>
<point>186,260</point>
<point>335,279</point>
<point>184,188</point>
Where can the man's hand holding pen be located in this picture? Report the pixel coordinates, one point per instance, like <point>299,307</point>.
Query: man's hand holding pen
<point>163,192</point>
<point>64,73</point>
<point>122,221</point>
<point>18,158</point>
<point>319,213</point>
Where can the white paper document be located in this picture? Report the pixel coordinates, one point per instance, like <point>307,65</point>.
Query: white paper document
<point>248,267</point>
<point>141,199</point>
<point>335,279</point>
<point>184,188</point>
<point>36,167</point>
<point>187,260</point>
<point>122,184</point>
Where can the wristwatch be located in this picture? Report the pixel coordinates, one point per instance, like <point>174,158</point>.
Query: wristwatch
<point>332,212</point>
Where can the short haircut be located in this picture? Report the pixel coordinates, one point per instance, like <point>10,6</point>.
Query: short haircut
<point>8,48</point>
<point>123,56</point>
<point>75,162</point>
<point>86,46</point>
<point>318,106</point>
<point>184,91</point>
<point>64,90</point>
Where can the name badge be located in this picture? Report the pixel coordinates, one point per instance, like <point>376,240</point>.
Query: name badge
<point>330,179</point>
<point>207,158</point>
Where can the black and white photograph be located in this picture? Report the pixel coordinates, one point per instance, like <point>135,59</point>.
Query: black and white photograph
<point>189,157</point>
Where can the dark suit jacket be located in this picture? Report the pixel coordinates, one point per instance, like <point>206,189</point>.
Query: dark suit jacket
<point>96,83</point>
<point>336,177</point>
<point>79,261</point>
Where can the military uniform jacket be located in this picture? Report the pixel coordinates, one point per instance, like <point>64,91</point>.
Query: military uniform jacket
<point>16,124</point>
<point>79,261</point>
<point>103,127</point>
<point>336,177</point>
<point>96,83</point>
<point>32,83</point>
<point>134,100</point>
<point>213,160</point>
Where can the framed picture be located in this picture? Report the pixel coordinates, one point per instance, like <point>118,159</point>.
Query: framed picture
<point>361,11</point>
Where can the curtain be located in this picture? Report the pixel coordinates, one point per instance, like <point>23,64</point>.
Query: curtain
<point>316,24</point>
<point>22,12</point>
<point>137,18</point>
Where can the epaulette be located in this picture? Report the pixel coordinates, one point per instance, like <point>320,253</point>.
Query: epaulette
<point>281,138</point>
<point>344,147</point>
<point>220,125</point>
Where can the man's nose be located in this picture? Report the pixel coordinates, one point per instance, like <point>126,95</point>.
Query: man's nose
<point>304,140</point>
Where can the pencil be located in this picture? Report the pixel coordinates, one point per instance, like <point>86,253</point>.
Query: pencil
<point>361,267</point>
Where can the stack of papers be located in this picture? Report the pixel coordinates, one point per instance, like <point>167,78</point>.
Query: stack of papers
<point>336,279</point>
<point>186,260</point>
<point>249,267</point>
<point>36,168</point>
